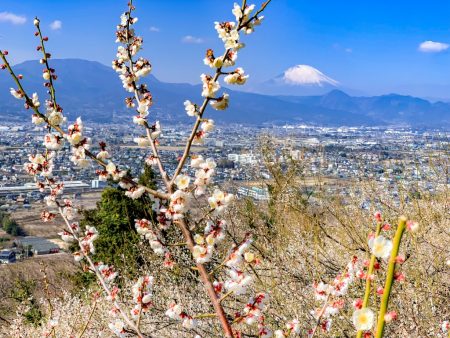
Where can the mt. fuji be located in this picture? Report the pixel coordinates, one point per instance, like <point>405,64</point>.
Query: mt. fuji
<point>299,80</point>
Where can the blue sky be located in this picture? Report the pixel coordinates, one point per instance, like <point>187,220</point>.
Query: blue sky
<point>371,46</point>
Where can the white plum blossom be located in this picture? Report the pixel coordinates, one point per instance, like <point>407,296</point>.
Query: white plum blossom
<point>108,273</point>
<point>143,228</point>
<point>155,130</point>
<point>235,258</point>
<point>236,77</point>
<point>182,181</point>
<point>118,328</point>
<point>135,192</point>
<point>221,103</point>
<point>53,141</point>
<point>229,34</point>
<point>35,100</point>
<point>207,126</point>
<point>202,253</point>
<point>196,161</point>
<point>142,294</point>
<point>66,236</point>
<point>36,119</point>
<point>75,135</point>
<point>381,247</point>
<point>220,200</point>
<point>179,203</point>
<point>210,87</point>
<point>189,322</point>
<point>142,141</point>
<point>138,119</point>
<point>253,311</point>
<point>103,155</point>
<point>16,93</point>
<point>174,311</point>
<point>238,13</point>
<point>363,319</point>
<point>238,282</point>
<point>190,108</point>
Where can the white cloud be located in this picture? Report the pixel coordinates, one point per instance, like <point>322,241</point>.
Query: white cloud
<point>433,47</point>
<point>307,75</point>
<point>12,18</point>
<point>192,39</point>
<point>56,25</point>
<point>154,29</point>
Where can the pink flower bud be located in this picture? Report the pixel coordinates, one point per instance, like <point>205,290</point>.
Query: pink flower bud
<point>400,259</point>
<point>399,277</point>
<point>386,227</point>
<point>390,316</point>
<point>412,226</point>
<point>380,290</point>
<point>377,216</point>
<point>357,303</point>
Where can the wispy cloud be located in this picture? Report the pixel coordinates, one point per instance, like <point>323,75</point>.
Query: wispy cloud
<point>433,47</point>
<point>154,29</point>
<point>339,47</point>
<point>56,25</point>
<point>192,39</point>
<point>12,18</point>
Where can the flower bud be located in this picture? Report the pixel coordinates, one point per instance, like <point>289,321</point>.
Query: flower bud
<point>412,226</point>
<point>249,257</point>
<point>390,316</point>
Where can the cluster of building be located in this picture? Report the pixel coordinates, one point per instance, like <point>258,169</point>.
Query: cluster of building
<point>28,246</point>
<point>382,154</point>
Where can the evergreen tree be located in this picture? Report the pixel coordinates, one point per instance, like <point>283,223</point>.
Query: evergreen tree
<point>114,218</point>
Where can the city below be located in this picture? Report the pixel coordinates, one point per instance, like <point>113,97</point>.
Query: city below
<point>336,154</point>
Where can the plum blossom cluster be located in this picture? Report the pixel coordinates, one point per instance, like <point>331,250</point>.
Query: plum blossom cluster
<point>170,206</point>
<point>214,233</point>
<point>131,71</point>
<point>144,228</point>
<point>252,314</point>
<point>175,312</point>
<point>238,279</point>
<point>205,169</point>
<point>381,248</point>
<point>142,295</point>
<point>332,296</point>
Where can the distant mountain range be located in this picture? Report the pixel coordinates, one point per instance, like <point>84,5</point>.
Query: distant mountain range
<point>93,91</point>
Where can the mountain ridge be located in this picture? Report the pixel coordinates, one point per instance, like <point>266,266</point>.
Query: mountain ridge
<point>94,91</point>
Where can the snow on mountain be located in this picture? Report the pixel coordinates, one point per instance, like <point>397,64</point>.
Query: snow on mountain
<point>307,75</point>
<point>298,80</point>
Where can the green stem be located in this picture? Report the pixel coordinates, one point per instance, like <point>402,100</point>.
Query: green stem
<point>368,280</point>
<point>390,277</point>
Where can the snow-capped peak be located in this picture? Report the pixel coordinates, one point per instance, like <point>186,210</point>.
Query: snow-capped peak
<point>307,75</point>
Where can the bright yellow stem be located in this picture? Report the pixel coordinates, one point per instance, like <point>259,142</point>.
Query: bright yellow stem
<point>368,281</point>
<point>390,276</point>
